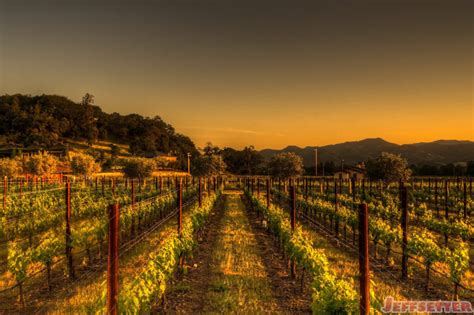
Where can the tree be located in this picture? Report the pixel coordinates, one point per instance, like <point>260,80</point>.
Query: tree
<point>41,164</point>
<point>329,168</point>
<point>210,149</point>
<point>231,158</point>
<point>389,168</point>
<point>139,167</point>
<point>470,168</point>
<point>251,160</point>
<point>245,162</point>
<point>114,151</point>
<point>424,170</point>
<point>447,169</point>
<point>285,165</point>
<point>85,165</point>
<point>208,165</point>
<point>9,167</point>
<point>88,120</point>
<point>161,163</point>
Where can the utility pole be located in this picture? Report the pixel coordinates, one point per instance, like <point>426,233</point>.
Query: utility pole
<point>189,164</point>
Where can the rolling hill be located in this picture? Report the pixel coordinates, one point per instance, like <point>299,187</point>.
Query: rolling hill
<point>48,121</point>
<point>437,152</point>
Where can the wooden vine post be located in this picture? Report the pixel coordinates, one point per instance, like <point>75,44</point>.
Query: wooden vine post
<point>180,216</point>
<point>293,223</point>
<point>132,196</point>
<point>465,199</point>
<point>200,192</point>
<point>70,266</point>
<point>436,196</point>
<point>353,188</point>
<point>336,223</point>
<point>112,260</point>
<point>446,199</point>
<point>446,209</point>
<point>268,193</point>
<point>306,192</point>
<point>21,187</point>
<point>180,207</point>
<point>404,225</point>
<point>364,305</point>
<point>363,188</point>
<point>470,186</point>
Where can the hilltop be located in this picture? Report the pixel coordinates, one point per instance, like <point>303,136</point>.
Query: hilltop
<point>48,121</point>
<point>437,152</point>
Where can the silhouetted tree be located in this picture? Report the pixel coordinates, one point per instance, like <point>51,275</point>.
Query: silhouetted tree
<point>388,167</point>
<point>245,162</point>
<point>210,149</point>
<point>285,165</point>
<point>88,120</point>
<point>470,168</point>
<point>208,165</point>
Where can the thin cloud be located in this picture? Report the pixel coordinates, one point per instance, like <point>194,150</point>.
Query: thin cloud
<point>233,130</point>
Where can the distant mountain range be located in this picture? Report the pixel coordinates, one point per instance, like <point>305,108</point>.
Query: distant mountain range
<point>437,152</point>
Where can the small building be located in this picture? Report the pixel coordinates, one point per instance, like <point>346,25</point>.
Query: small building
<point>348,172</point>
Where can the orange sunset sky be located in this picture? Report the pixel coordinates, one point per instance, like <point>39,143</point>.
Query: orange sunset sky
<point>266,73</point>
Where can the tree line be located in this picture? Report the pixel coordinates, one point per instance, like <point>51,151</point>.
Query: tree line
<point>248,161</point>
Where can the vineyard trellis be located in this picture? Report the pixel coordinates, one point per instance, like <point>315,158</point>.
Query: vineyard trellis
<point>47,248</point>
<point>456,225</point>
<point>63,220</point>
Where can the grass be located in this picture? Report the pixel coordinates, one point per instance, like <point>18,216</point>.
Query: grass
<point>99,146</point>
<point>238,279</point>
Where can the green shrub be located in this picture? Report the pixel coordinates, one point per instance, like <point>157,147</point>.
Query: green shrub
<point>138,167</point>
<point>41,164</point>
<point>85,165</point>
<point>9,167</point>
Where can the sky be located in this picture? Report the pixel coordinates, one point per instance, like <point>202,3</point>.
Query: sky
<point>262,73</point>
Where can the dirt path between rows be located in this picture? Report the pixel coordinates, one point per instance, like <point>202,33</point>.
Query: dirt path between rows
<point>236,269</point>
